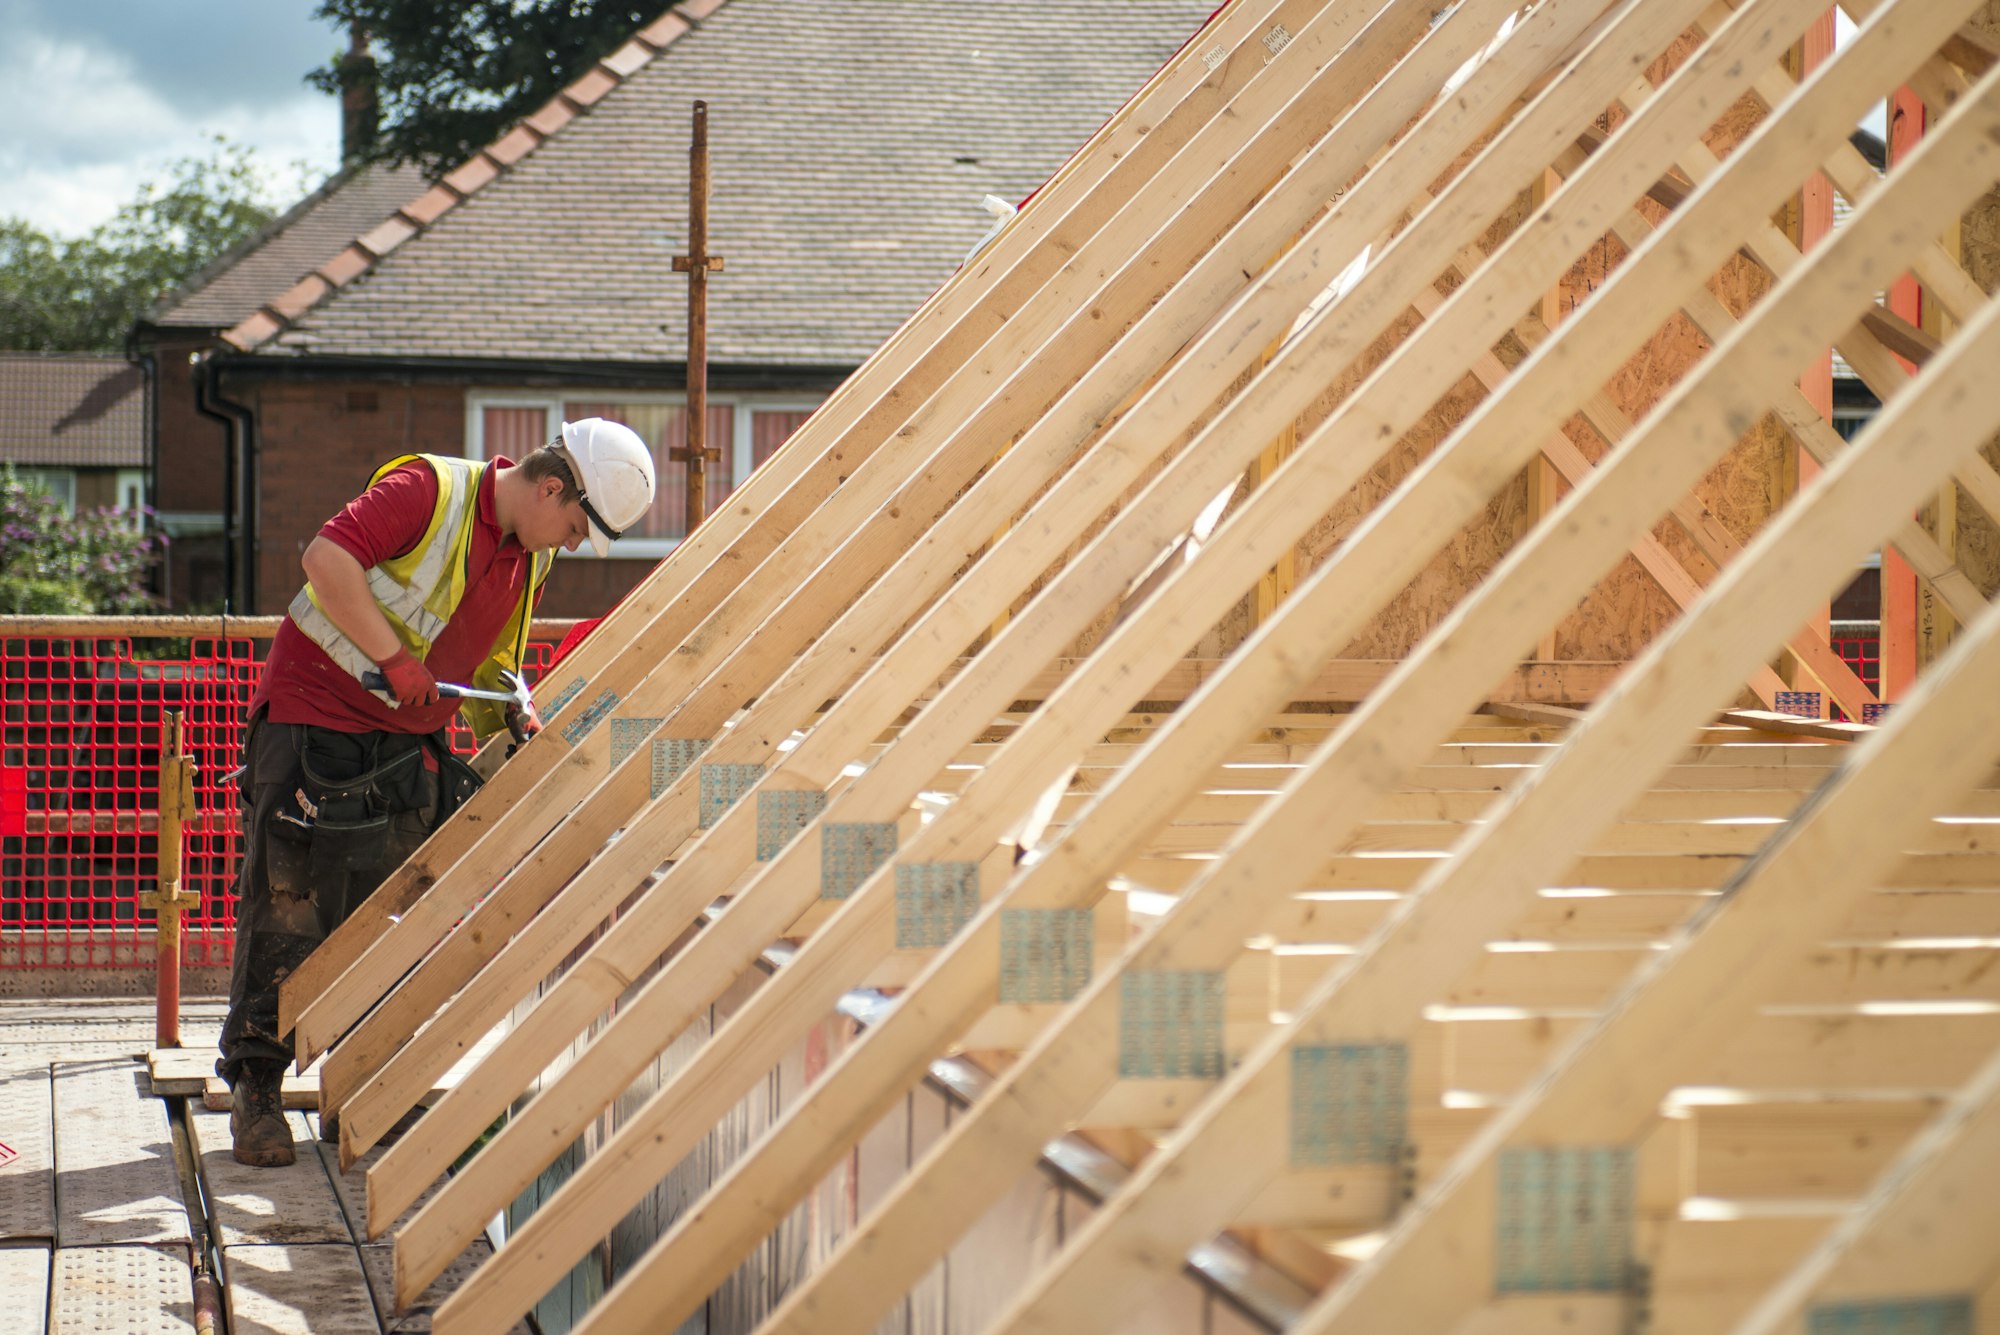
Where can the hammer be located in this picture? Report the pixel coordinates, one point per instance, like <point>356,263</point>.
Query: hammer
<point>518,717</point>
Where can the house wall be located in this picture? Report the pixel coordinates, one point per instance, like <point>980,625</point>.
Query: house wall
<point>319,440</point>
<point>188,476</point>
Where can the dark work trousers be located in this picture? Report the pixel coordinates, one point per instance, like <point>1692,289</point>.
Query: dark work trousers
<point>326,817</point>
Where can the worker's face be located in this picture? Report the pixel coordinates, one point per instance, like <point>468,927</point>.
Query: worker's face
<point>552,521</point>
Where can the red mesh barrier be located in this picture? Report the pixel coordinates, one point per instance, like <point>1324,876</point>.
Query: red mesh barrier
<point>1863,653</point>
<point>80,734</point>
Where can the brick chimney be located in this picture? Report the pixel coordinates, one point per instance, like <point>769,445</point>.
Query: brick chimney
<point>359,110</point>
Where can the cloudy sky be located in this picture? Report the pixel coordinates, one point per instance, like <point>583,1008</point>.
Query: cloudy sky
<point>97,96</point>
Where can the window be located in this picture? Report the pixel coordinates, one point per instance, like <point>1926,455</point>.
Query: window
<point>747,429</point>
<point>132,495</point>
<point>57,482</point>
<point>1848,419</point>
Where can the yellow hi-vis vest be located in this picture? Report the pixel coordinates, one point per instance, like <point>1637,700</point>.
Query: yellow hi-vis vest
<point>419,590</point>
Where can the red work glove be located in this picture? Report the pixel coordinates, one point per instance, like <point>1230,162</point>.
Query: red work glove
<point>409,680</point>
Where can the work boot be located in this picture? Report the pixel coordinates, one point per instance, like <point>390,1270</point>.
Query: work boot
<point>257,1127</point>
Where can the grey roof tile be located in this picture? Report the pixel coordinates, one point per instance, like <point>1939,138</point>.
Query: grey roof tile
<point>71,410</point>
<point>851,145</point>
<point>292,246</point>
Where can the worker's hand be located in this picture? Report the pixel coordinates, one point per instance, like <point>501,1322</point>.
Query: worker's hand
<point>409,680</point>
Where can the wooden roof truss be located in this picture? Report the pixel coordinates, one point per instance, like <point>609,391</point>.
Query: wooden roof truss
<point>1306,197</point>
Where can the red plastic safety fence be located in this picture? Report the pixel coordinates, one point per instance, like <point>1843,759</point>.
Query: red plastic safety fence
<point>1863,653</point>
<point>81,724</point>
<point>80,733</point>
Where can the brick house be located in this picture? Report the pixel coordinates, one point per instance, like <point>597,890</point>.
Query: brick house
<point>851,145</point>
<point>74,425</point>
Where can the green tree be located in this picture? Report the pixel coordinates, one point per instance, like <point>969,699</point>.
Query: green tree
<point>55,564</point>
<point>84,294</point>
<point>449,79</point>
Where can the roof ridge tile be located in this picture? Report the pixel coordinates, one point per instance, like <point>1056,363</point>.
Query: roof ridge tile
<point>470,176</point>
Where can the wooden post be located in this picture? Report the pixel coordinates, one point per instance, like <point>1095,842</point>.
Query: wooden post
<point>697,264</point>
<point>167,899</point>
<point>1815,225</point>
<point>1902,650</point>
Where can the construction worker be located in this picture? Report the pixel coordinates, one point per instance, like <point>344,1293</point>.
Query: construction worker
<point>431,574</point>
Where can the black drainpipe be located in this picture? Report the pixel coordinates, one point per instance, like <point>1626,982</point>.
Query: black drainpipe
<point>241,424</point>
<point>149,388</point>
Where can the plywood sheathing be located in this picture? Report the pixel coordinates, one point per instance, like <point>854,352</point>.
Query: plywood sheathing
<point>1978,539</point>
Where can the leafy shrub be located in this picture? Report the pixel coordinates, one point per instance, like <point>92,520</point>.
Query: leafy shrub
<point>94,562</point>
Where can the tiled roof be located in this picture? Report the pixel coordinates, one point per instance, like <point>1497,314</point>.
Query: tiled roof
<point>292,246</point>
<point>71,410</point>
<point>851,146</point>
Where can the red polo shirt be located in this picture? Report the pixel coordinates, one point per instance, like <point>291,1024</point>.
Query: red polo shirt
<point>302,685</point>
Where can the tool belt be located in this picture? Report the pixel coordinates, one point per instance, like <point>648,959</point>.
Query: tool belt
<point>364,802</point>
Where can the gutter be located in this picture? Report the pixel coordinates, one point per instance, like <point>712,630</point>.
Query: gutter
<point>538,372</point>
<point>237,474</point>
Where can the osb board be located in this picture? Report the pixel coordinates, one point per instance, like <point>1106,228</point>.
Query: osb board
<point>1094,633</point>
<point>1627,608</point>
<point>309,1289</point>
<point>115,1175</point>
<point>1978,548</point>
<point>1475,550</point>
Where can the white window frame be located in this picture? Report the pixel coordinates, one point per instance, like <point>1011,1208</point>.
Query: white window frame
<point>59,483</point>
<point>131,487</point>
<point>1854,418</point>
<point>650,549</point>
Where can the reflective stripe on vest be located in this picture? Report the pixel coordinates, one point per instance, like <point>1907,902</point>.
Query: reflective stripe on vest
<point>417,596</point>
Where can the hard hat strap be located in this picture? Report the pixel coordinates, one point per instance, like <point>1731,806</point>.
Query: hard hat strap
<point>613,533</point>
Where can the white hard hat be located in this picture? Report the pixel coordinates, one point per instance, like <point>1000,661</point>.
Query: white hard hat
<point>614,471</point>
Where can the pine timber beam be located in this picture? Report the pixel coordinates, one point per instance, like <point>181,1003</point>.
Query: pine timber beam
<point>1498,188</point>
<point>954,1181</point>
<point>1065,511</point>
<point>960,957</point>
<point>1213,464</point>
<point>1927,1229</point>
<point>1426,1286</point>
<point>1606,1087</point>
<point>937,352</point>
<point>587,831</point>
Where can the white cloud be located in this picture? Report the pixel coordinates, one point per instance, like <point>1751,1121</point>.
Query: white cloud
<point>89,125</point>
